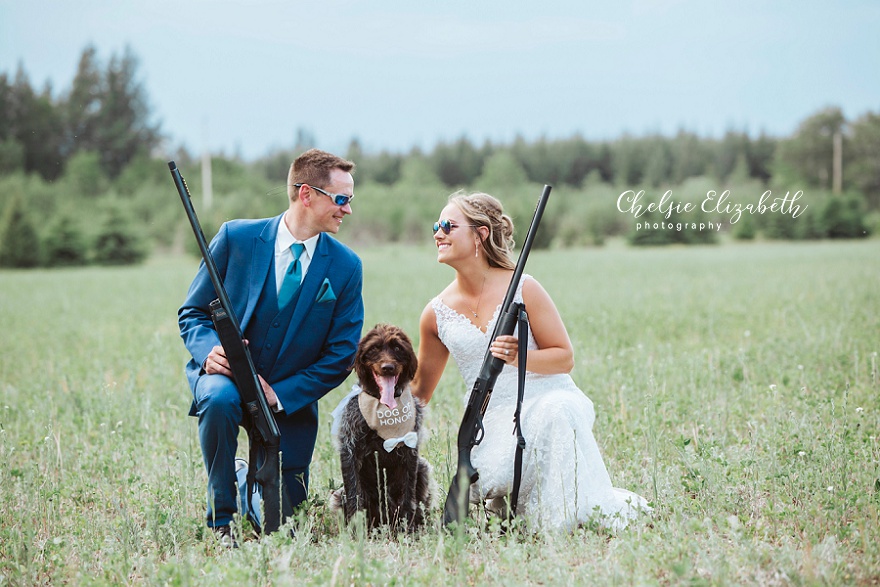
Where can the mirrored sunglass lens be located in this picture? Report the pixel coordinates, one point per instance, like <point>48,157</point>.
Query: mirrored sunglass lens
<point>444,225</point>
<point>341,200</point>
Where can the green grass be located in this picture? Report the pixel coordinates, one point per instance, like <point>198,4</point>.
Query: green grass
<point>735,386</point>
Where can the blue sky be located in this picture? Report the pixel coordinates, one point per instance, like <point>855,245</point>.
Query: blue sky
<point>242,77</point>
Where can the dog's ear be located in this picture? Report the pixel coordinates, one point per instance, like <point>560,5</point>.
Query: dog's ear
<point>410,361</point>
<point>368,341</point>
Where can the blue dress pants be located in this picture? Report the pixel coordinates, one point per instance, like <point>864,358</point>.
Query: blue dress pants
<point>218,408</point>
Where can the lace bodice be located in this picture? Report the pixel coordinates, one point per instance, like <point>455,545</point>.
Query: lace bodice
<point>468,346</point>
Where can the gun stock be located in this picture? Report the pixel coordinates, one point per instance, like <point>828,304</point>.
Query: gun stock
<point>470,433</point>
<point>263,431</point>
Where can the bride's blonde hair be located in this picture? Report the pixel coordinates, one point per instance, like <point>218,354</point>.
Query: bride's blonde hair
<point>484,210</point>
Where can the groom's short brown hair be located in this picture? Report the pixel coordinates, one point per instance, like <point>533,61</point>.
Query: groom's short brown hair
<point>314,166</point>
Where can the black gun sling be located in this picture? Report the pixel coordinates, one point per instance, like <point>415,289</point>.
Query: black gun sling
<point>523,344</point>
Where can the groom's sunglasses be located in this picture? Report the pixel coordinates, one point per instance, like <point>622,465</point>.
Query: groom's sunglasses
<point>338,199</point>
<point>447,225</point>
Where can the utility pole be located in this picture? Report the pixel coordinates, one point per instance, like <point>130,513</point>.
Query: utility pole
<point>837,164</point>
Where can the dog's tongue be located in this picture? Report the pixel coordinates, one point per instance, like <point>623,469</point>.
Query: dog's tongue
<point>386,388</point>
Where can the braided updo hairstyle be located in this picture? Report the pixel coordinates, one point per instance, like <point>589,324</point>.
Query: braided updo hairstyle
<point>484,210</point>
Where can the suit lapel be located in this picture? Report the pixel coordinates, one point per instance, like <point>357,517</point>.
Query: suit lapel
<point>262,258</point>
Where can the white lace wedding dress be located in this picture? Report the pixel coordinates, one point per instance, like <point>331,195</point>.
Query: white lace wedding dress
<point>564,480</point>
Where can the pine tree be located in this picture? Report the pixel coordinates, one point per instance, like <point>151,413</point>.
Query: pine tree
<point>19,243</point>
<point>123,126</point>
<point>82,107</point>
<point>66,244</point>
<point>120,240</point>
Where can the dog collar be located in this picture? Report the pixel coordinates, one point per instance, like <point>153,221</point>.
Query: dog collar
<point>391,424</point>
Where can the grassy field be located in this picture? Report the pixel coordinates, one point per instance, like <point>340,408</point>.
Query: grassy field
<point>736,387</point>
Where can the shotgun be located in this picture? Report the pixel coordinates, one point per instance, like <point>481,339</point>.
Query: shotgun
<point>263,434</point>
<point>470,433</point>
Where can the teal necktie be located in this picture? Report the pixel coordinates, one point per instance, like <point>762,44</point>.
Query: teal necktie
<point>292,277</point>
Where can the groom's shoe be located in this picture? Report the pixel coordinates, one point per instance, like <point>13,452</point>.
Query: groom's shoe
<point>224,536</point>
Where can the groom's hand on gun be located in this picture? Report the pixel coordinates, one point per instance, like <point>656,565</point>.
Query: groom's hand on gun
<point>217,364</point>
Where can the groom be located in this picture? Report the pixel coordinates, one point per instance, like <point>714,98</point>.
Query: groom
<point>297,294</point>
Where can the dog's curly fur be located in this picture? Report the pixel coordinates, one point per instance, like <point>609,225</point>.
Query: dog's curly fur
<point>392,488</point>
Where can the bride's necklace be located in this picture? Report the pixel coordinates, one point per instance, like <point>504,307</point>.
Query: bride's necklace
<point>478,300</point>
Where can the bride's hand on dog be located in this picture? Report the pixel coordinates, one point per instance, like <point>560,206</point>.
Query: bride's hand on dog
<point>504,347</point>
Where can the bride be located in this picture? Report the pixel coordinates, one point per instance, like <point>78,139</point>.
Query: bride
<point>564,480</point>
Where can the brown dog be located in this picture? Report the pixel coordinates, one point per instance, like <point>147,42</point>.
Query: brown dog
<point>382,472</point>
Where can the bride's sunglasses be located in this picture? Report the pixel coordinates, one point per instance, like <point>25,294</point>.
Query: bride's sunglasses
<point>447,225</point>
<point>338,199</point>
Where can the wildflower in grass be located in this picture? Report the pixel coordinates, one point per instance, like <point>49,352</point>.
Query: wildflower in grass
<point>802,454</point>
<point>772,387</point>
<point>831,489</point>
<point>859,410</point>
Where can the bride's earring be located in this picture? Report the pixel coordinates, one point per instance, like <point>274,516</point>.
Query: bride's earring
<point>477,249</point>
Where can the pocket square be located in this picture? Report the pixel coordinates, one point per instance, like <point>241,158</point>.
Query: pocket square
<point>325,294</point>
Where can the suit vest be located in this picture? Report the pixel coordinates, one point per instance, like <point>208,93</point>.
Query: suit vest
<point>268,326</point>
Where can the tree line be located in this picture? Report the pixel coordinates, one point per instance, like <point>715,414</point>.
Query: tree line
<point>105,111</point>
<point>78,183</point>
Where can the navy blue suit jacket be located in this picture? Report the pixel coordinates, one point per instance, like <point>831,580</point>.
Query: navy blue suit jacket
<point>318,349</point>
